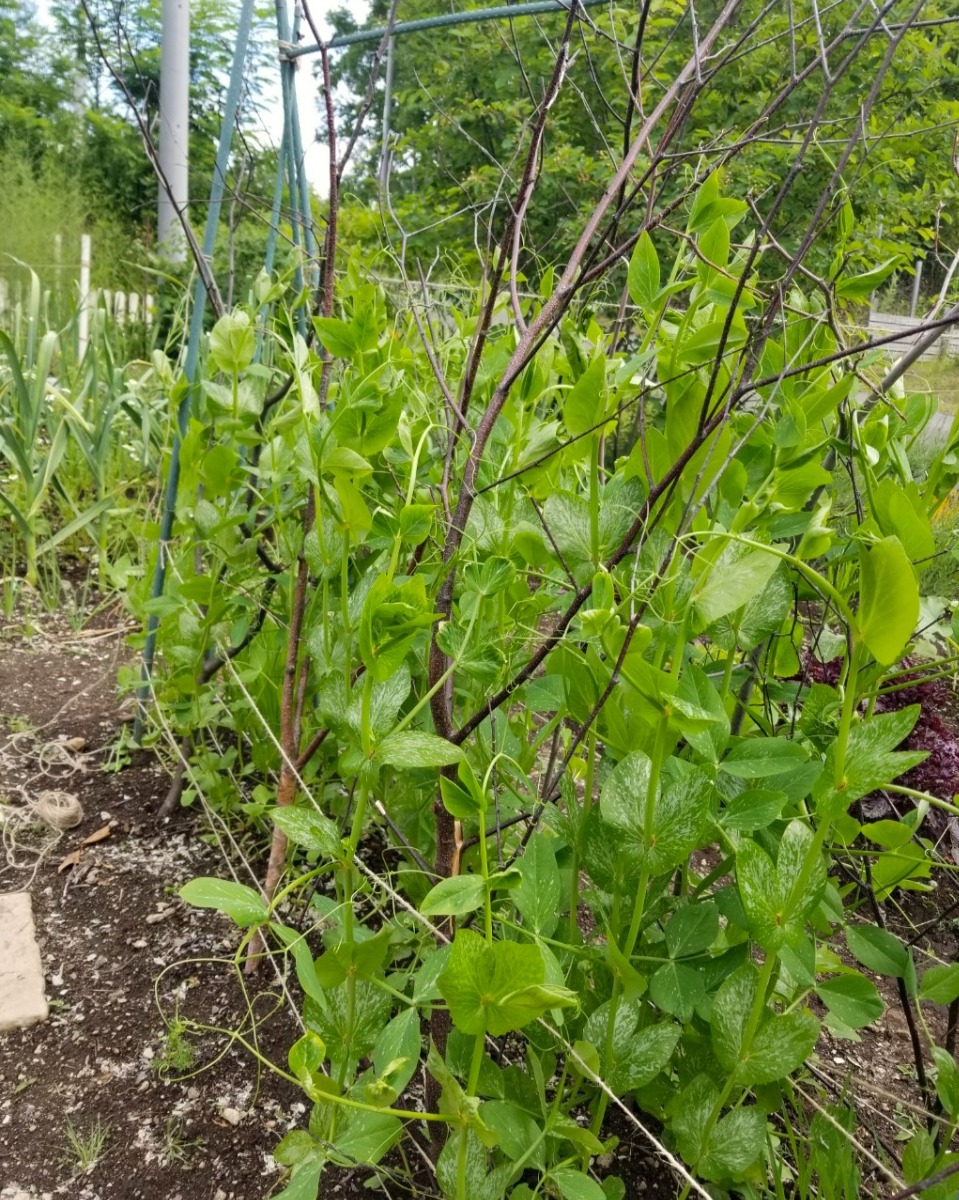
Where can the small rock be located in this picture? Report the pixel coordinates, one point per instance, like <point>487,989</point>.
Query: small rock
<point>233,1115</point>
<point>219,1194</point>
<point>140,944</point>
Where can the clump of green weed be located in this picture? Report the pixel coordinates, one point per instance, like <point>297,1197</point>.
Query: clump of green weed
<point>178,1054</point>
<point>177,1147</point>
<point>84,1150</point>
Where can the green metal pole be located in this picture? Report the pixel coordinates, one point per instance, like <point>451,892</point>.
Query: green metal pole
<point>296,179</point>
<point>503,11</point>
<point>299,158</point>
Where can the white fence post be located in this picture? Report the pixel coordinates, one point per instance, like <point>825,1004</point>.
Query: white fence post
<point>917,279</point>
<point>83,324</point>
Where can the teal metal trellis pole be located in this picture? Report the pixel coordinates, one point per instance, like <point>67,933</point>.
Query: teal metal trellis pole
<point>217,187</point>
<point>299,158</point>
<point>502,12</point>
<point>293,157</point>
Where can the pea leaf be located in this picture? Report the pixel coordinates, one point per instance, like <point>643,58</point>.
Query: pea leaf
<point>644,274</point>
<point>496,989</point>
<point>763,757</point>
<point>455,896</point>
<point>233,342</point>
<point>515,1130</point>
<point>753,809</point>
<point>677,989</point>
<point>691,1117</point>
<point>306,826</point>
<point>574,1185</point>
<point>878,950</point>
<point>679,811</point>
<point>888,599</point>
<point>696,688</point>
<point>780,1046</point>
<point>336,336</point>
<point>298,946</point>
<point>947,1080</point>
<point>642,1058</point>
<point>364,1137</point>
<point>411,750</point>
<point>305,1184</point>
<point>940,984</point>
<point>731,1008</point>
<point>692,929</point>
<point>773,907</point>
<point>305,1058</point>
<point>538,896</point>
<point>241,903</point>
<point>861,287</point>
<point>852,998</point>
<point>739,574</point>
<point>870,760</point>
<point>735,1143</point>
<point>585,404</point>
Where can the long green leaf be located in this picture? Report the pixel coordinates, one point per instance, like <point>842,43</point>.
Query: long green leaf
<point>76,525</point>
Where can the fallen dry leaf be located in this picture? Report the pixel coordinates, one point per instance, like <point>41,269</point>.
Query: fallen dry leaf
<point>71,860</point>
<point>98,836</point>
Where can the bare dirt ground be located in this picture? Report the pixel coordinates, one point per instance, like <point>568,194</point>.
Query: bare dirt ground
<point>177,1119</point>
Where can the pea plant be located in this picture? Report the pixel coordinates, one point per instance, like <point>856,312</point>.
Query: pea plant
<point>512,625</point>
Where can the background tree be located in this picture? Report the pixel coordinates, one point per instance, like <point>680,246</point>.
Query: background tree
<point>72,153</point>
<point>460,100</point>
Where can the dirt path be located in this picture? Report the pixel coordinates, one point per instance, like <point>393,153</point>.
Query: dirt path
<point>177,1120</point>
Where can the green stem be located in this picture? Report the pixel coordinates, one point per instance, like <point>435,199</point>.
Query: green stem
<point>427,696</point>
<point>813,856</point>
<point>484,867</point>
<point>30,553</point>
<point>476,1064</point>
<point>404,1114</point>
<point>581,835</point>
<point>463,1136</point>
<point>349,875</point>
<point>639,905</point>
<point>594,498</point>
<point>846,716</point>
<point>749,1033</point>
<point>730,663</point>
<point>944,805</point>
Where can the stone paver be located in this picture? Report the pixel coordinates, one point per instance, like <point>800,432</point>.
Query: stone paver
<point>22,999</point>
